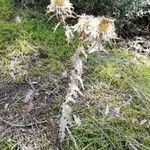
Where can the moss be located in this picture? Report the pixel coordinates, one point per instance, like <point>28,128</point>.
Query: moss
<point>9,32</point>
<point>147,140</point>
<point>120,53</point>
<point>41,33</point>
<point>119,69</point>
<point>112,72</point>
<point>46,66</point>
<point>106,71</point>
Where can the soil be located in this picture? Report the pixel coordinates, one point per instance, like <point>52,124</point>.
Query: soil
<point>34,122</point>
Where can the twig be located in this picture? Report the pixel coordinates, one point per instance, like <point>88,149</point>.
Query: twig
<point>30,83</point>
<point>21,125</point>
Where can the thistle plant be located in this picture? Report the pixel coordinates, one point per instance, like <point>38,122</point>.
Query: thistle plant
<point>92,32</point>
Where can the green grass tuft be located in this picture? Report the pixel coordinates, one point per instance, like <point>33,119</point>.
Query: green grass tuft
<point>5,9</point>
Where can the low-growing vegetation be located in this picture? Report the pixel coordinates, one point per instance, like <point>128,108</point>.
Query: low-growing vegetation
<point>109,106</point>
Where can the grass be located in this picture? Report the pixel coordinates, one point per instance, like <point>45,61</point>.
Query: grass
<point>7,144</point>
<point>5,9</point>
<point>108,134</point>
<point>122,85</point>
<point>115,109</point>
<point>35,32</point>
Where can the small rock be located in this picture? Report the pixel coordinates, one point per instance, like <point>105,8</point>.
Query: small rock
<point>143,122</point>
<point>17,19</point>
<point>29,96</point>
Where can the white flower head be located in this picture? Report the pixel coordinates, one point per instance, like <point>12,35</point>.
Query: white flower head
<point>90,27</point>
<point>105,27</point>
<point>84,27</point>
<point>84,24</point>
<point>62,9</point>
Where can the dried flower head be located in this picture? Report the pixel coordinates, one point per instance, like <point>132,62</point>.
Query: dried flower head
<point>84,24</point>
<point>105,28</point>
<point>58,2</point>
<point>62,9</point>
<point>92,32</point>
<point>84,27</point>
<point>105,24</point>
